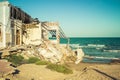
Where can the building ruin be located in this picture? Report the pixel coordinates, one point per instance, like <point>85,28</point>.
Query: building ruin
<point>17,28</point>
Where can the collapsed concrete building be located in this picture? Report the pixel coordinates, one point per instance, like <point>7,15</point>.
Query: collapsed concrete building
<point>17,27</point>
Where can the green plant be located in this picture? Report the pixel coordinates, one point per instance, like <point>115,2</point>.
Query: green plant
<point>16,60</point>
<point>33,60</point>
<point>60,68</point>
<point>42,63</point>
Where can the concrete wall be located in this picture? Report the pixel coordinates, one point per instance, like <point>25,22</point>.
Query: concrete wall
<point>53,26</point>
<point>33,35</point>
<point>8,16</point>
<point>0,34</point>
<point>5,21</point>
<point>17,32</point>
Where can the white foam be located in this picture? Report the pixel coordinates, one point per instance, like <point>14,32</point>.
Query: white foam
<point>112,50</point>
<point>91,57</point>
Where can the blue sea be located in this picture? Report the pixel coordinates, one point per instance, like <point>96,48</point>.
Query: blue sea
<point>97,50</point>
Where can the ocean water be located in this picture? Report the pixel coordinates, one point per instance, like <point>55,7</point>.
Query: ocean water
<point>97,50</point>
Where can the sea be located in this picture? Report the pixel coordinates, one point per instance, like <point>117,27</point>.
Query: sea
<point>96,50</point>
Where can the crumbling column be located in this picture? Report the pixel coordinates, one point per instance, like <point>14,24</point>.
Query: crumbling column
<point>3,27</point>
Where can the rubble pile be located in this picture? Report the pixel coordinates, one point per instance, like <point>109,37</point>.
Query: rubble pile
<point>54,53</point>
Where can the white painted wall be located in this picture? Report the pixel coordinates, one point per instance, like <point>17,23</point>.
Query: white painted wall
<point>4,19</point>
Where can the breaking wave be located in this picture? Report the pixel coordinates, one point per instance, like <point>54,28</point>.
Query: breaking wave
<point>92,57</point>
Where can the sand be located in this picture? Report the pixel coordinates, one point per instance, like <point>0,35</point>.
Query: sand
<point>90,71</point>
<point>82,71</point>
<point>36,72</point>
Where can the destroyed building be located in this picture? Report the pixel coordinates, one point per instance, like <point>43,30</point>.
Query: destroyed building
<point>17,27</point>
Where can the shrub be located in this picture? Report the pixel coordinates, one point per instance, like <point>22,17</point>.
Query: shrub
<point>33,60</point>
<point>42,63</point>
<point>16,60</point>
<point>60,68</point>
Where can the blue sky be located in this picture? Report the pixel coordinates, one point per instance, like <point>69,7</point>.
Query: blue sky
<point>77,18</point>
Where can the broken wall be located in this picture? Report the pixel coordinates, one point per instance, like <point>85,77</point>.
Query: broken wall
<point>10,31</point>
<point>16,32</point>
<point>32,34</point>
<point>51,32</point>
<point>5,23</point>
<point>0,34</point>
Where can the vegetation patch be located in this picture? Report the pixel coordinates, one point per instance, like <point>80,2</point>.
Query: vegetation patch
<point>42,63</point>
<point>60,68</point>
<point>33,60</point>
<point>16,59</point>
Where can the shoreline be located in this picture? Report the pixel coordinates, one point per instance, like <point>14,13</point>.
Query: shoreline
<point>100,60</point>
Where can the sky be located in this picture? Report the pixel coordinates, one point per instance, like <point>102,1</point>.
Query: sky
<point>77,18</point>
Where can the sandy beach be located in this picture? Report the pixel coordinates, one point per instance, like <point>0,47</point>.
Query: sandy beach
<point>82,71</point>
<point>95,71</point>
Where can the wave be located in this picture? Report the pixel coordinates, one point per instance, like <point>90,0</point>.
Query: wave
<point>112,51</point>
<point>96,45</point>
<point>74,46</point>
<point>92,57</point>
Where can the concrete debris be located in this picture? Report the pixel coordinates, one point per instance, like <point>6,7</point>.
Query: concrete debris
<point>80,55</point>
<point>54,53</point>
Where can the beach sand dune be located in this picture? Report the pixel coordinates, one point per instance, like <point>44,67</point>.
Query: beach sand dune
<point>81,71</point>
<point>37,72</point>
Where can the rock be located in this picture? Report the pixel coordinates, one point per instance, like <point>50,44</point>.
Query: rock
<point>5,68</point>
<point>5,53</point>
